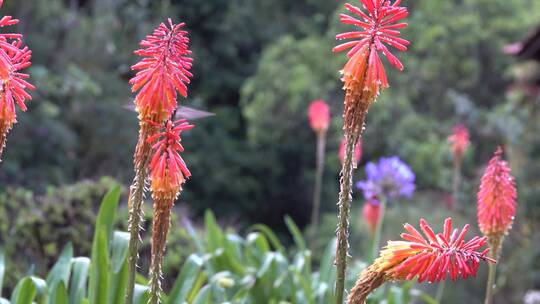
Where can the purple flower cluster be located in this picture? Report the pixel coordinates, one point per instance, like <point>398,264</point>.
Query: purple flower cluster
<point>390,179</point>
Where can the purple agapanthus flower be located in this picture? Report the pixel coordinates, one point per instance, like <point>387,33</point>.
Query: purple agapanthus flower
<point>390,179</point>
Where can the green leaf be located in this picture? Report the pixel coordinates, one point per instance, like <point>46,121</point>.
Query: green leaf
<point>99,269</point>
<point>62,269</point>
<point>214,235</point>
<point>271,236</point>
<point>140,294</point>
<point>79,279</point>
<point>2,269</point>
<point>42,289</point>
<point>25,292</point>
<point>204,296</point>
<point>118,274</point>
<point>4,301</point>
<point>186,280</point>
<point>297,235</point>
<point>59,294</point>
<point>98,286</point>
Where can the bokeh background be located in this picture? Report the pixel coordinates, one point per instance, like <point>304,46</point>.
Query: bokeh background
<point>258,64</point>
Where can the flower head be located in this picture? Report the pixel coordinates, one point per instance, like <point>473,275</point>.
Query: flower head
<point>163,72</point>
<point>168,170</point>
<point>429,257</point>
<point>371,213</point>
<point>357,153</point>
<point>390,178</point>
<point>364,75</point>
<point>319,115</point>
<point>14,57</point>
<point>459,141</point>
<point>496,198</point>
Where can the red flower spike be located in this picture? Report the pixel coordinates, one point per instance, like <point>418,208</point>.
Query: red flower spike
<point>371,213</point>
<point>319,115</point>
<point>163,72</point>
<point>364,75</point>
<point>13,58</point>
<point>496,198</point>
<point>168,170</point>
<point>430,257</point>
<point>459,141</point>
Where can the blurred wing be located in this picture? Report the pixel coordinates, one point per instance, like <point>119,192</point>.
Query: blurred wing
<point>183,112</point>
<point>191,114</point>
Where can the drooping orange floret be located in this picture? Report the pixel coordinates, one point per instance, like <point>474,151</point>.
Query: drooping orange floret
<point>163,72</point>
<point>496,199</point>
<point>429,257</point>
<point>364,75</point>
<point>459,141</point>
<point>168,171</point>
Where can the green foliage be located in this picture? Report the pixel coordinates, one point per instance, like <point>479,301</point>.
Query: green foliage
<point>226,268</point>
<point>34,228</point>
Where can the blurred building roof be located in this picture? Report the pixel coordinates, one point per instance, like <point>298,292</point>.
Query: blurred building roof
<point>528,48</point>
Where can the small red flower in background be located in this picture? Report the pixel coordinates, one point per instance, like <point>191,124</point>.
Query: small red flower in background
<point>459,141</point>
<point>371,213</point>
<point>163,73</point>
<point>364,71</point>
<point>319,115</point>
<point>168,170</point>
<point>496,198</point>
<point>357,153</point>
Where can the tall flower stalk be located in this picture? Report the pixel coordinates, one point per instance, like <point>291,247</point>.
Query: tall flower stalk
<point>319,120</point>
<point>14,57</point>
<point>496,210</point>
<point>364,77</point>
<point>459,141</point>
<point>161,74</point>
<point>429,257</point>
<point>168,172</point>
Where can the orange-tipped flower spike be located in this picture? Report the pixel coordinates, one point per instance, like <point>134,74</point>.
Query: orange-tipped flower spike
<point>163,72</point>
<point>14,57</point>
<point>364,75</point>
<point>168,172</point>
<point>429,257</point>
<point>496,200</point>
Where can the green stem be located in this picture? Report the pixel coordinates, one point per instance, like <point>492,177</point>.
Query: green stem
<point>456,182</point>
<point>345,197</point>
<point>136,197</point>
<point>490,287</point>
<point>440,292</point>
<point>378,230</point>
<point>315,212</point>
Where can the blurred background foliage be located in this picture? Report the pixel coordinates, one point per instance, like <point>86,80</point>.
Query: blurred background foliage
<point>258,64</point>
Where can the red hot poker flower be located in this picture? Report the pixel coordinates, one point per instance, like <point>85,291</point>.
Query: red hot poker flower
<point>163,72</point>
<point>168,170</point>
<point>429,257</point>
<point>319,115</point>
<point>371,213</point>
<point>459,141</point>
<point>364,75</point>
<point>496,200</point>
